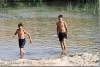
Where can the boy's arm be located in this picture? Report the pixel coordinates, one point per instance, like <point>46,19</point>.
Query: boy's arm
<point>66,26</point>
<point>15,33</point>
<point>28,36</point>
<point>57,27</point>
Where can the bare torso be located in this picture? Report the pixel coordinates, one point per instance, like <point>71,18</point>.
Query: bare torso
<point>21,33</point>
<point>61,26</point>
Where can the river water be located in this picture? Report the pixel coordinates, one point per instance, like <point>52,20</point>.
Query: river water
<point>82,34</point>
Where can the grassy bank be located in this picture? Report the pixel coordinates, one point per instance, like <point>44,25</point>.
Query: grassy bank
<point>87,8</point>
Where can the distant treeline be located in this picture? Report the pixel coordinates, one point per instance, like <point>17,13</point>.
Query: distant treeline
<point>89,6</point>
<point>14,3</point>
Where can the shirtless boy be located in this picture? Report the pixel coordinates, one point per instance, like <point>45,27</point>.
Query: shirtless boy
<point>21,38</point>
<point>62,32</point>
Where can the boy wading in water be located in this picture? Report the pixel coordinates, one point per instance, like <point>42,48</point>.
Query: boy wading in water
<point>62,33</point>
<point>21,38</point>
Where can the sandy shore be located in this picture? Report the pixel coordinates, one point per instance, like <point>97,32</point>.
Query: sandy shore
<point>80,59</point>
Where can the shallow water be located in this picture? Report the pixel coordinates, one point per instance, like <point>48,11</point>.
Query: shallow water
<point>42,27</point>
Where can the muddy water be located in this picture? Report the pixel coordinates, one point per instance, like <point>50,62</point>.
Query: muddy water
<point>82,31</point>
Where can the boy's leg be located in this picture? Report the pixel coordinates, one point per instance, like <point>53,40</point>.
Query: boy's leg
<point>62,46</point>
<point>60,35</point>
<point>21,52</point>
<point>61,43</point>
<point>65,44</point>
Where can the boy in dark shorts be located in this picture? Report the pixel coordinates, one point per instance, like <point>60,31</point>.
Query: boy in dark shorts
<point>21,38</point>
<point>62,32</point>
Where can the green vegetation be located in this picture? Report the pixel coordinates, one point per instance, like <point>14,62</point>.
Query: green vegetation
<point>87,6</point>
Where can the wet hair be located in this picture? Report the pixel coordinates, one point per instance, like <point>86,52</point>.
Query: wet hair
<point>60,16</point>
<point>20,24</point>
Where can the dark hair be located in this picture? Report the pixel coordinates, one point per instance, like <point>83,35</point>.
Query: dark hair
<point>60,16</point>
<point>20,24</point>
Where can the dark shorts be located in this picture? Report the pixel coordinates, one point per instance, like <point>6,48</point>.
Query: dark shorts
<point>62,35</point>
<point>22,43</point>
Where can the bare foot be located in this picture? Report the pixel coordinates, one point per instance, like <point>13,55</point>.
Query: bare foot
<point>65,52</point>
<point>61,54</point>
